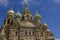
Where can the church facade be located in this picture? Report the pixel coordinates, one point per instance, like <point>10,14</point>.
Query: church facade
<point>24,27</point>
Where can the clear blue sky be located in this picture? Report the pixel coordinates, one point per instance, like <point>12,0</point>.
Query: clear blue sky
<point>48,9</point>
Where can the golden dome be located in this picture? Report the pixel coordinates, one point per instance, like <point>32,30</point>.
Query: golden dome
<point>48,30</point>
<point>45,24</point>
<point>10,12</point>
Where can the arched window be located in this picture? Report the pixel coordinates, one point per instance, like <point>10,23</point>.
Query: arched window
<point>12,22</point>
<point>22,17</point>
<point>25,33</point>
<point>42,33</point>
<point>8,21</point>
<point>37,39</point>
<point>16,33</point>
<point>33,33</point>
<point>27,16</point>
<point>31,17</point>
<point>21,39</point>
<point>29,33</point>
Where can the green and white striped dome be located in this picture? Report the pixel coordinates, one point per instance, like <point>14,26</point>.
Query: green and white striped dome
<point>18,15</point>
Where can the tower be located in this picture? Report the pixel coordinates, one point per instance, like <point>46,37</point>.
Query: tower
<point>10,18</point>
<point>8,22</point>
<point>37,18</point>
<point>26,15</point>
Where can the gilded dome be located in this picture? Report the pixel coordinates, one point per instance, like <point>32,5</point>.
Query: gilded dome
<point>10,12</point>
<point>48,30</point>
<point>45,25</point>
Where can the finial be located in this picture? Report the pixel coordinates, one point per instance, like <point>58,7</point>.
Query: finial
<point>11,9</point>
<point>45,24</point>
<point>18,11</point>
<point>26,2</point>
<point>48,30</point>
<point>37,14</point>
<point>26,5</point>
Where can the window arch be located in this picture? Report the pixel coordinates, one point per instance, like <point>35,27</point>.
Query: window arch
<point>22,17</point>
<point>8,21</point>
<point>25,33</point>
<point>16,33</point>
<point>11,22</point>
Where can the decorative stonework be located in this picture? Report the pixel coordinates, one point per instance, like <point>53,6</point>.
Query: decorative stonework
<point>24,27</point>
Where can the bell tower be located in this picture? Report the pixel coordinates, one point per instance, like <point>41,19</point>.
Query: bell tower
<point>10,18</point>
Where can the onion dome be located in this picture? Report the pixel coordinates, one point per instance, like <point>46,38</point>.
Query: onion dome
<point>48,30</point>
<point>45,25</point>
<point>37,15</point>
<point>10,12</point>
<point>18,15</point>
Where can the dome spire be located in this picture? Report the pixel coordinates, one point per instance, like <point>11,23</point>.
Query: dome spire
<point>18,11</point>
<point>37,14</point>
<point>26,10</point>
<point>45,24</point>
<point>48,30</point>
<point>26,5</point>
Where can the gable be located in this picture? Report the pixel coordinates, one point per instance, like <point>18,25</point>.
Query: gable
<point>27,24</point>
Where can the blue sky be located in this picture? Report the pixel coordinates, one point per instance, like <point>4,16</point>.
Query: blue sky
<point>48,9</point>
